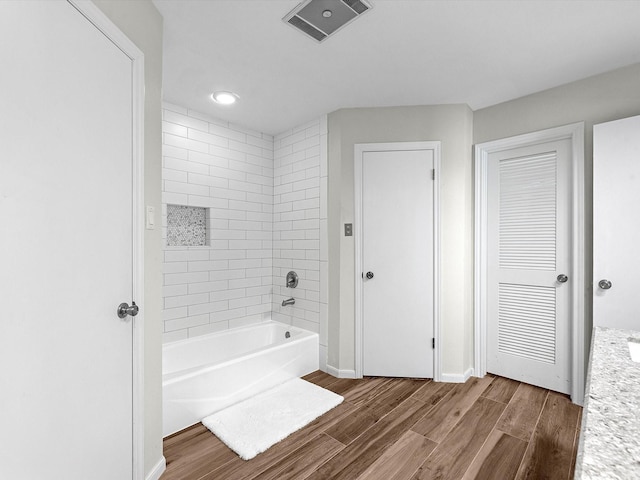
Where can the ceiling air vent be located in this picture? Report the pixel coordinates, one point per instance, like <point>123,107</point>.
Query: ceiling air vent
<point>321,18</point>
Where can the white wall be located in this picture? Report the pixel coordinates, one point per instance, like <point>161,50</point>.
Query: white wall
<point>229,170</point>
<point>299,227</point>
<point>452,125</point>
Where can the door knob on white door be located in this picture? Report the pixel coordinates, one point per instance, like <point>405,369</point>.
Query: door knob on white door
<point>562,278</point>
<point>605,284</point>
<point>369,275</point>
<point>124,309</point>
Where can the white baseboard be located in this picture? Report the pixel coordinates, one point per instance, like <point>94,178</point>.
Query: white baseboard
<point>158,470</point>
<point>336,372</point>
<point>456,377</point>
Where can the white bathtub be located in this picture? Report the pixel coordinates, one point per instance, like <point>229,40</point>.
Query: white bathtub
<point>204,374</point>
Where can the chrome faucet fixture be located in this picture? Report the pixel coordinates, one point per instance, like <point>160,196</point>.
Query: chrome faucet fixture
<point>288,301</point>
<point>292,279</point>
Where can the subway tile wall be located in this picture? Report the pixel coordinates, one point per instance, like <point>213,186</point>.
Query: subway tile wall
<point>266,203</point>
<point>300,227</point>
<point>228,170</point>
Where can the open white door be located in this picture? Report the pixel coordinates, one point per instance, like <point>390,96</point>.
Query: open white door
<point>66,248</point>
<point>529,262</point>
<point>616,232</point>
<point>529,258</point>
<point>395,233</point>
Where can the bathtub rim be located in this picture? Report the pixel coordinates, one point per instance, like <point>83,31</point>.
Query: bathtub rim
<point>185,374</point>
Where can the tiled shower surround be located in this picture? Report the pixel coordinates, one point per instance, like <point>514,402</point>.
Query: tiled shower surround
<point>265,216</point>
<point>300,226</point>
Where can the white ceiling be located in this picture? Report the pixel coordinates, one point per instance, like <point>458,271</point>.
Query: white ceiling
<point>401,52</point>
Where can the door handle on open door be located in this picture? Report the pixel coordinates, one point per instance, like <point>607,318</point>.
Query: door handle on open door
<point>124,309</point>
<point>605,284</point>
<point>562,278</point>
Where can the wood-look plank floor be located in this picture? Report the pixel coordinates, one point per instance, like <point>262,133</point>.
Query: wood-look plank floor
<point>404,429</point>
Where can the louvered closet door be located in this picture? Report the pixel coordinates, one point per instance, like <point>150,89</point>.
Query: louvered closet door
<point>528,331</point>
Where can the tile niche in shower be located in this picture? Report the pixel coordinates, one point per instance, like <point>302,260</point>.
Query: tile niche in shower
<point>186,226</point>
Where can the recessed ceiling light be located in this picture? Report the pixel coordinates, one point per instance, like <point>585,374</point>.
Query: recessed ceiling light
<point>224,98</point>
<point>327,13</point>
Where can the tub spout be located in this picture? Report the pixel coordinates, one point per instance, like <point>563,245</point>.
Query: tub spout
<point>288,301</point>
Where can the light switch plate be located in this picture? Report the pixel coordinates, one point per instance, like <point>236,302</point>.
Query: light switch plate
<point>151,217</point>
<point>348,229</point>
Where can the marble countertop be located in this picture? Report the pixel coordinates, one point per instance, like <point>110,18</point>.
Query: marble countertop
<point>610,438</point>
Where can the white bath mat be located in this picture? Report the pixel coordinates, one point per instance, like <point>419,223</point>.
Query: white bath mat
<point>252,426</point>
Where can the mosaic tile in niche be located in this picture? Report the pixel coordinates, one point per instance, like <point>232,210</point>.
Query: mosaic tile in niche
<point>186,226</point>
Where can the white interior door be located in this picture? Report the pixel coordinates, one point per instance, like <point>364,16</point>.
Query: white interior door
<point>65,246</point>
<point>398,250</point>
<point>616,232</point>
<point>529,264</point>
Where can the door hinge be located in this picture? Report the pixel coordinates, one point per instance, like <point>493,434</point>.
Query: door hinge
<point>433,174</point>
<point>433,343</point>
